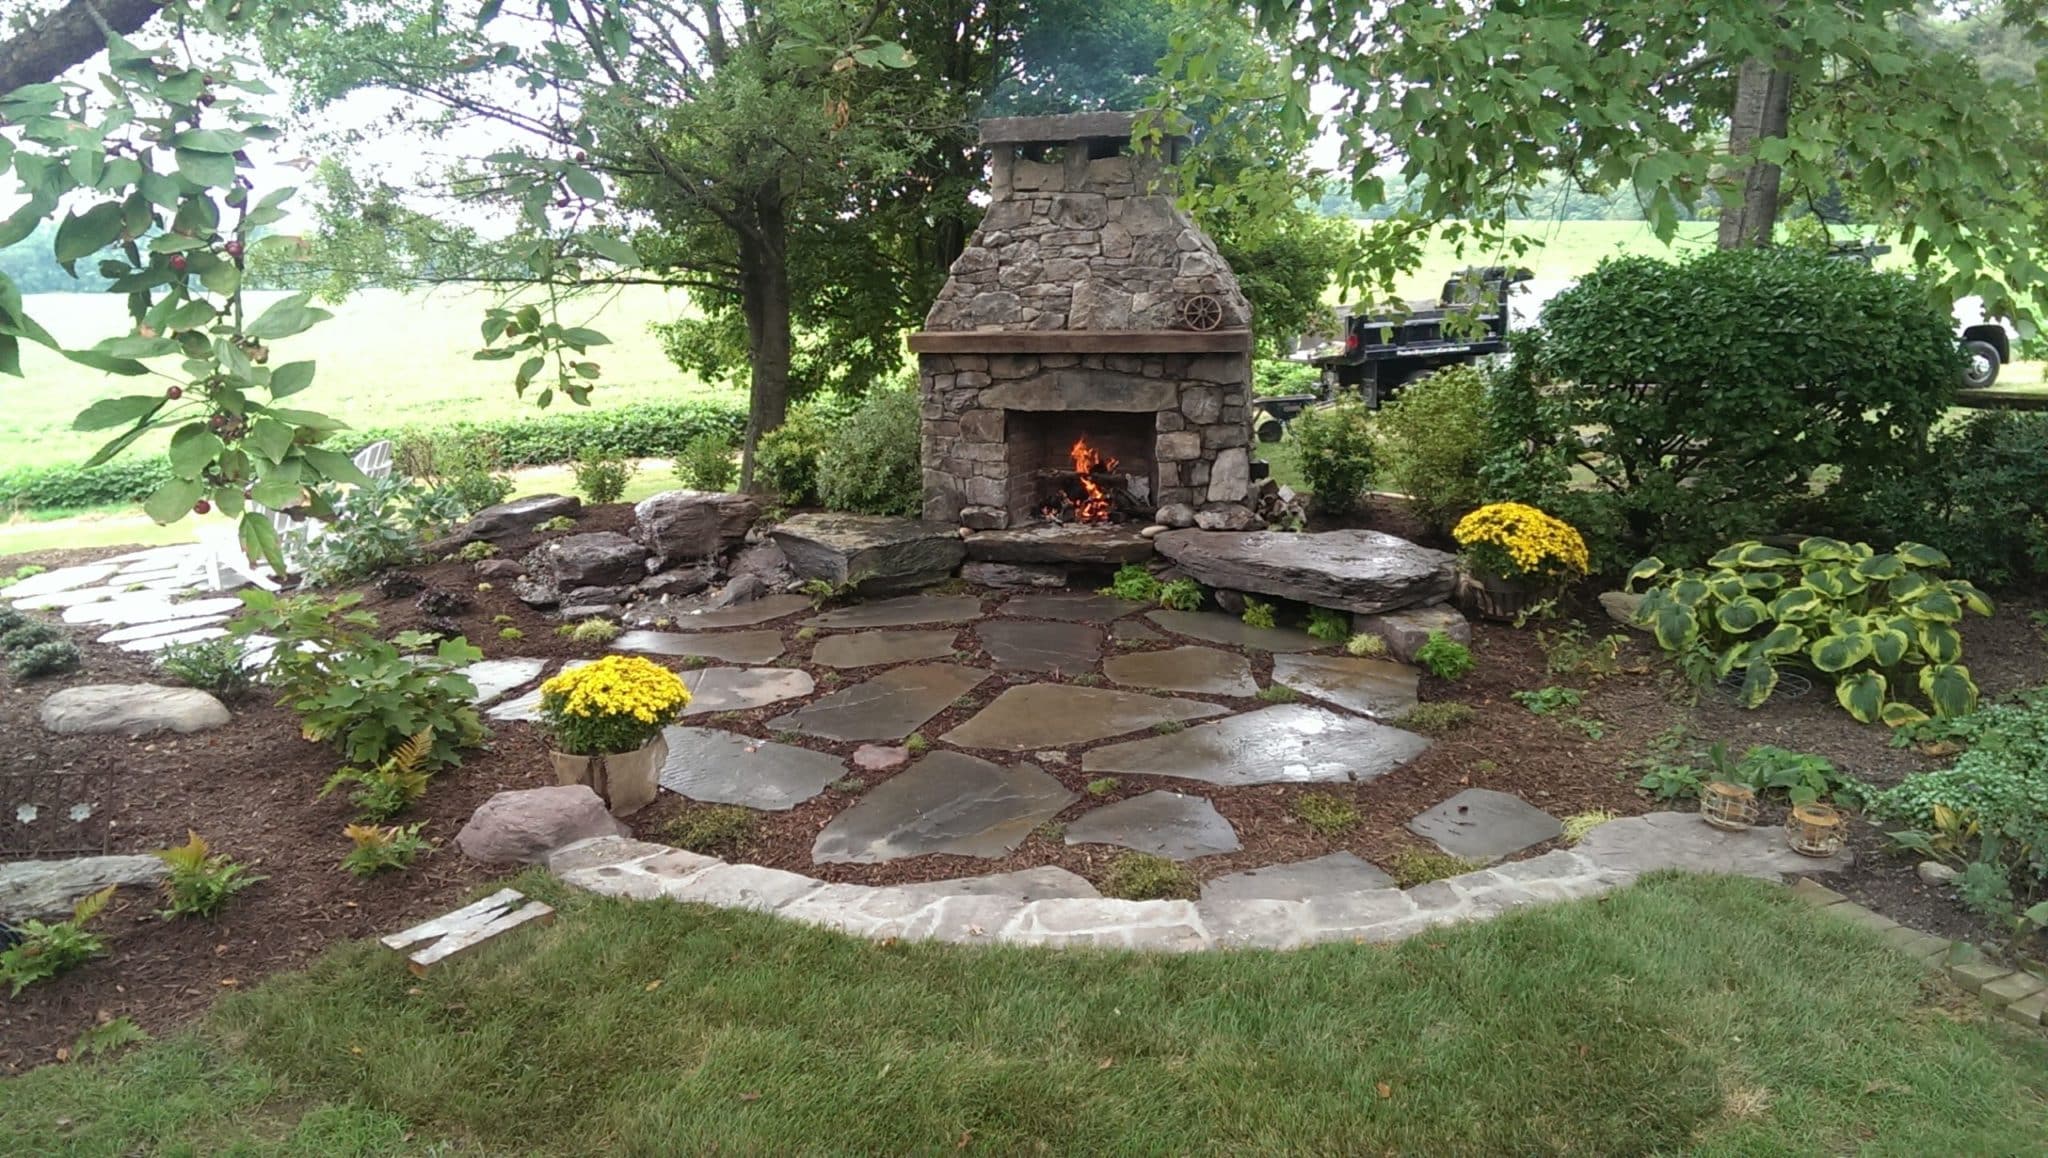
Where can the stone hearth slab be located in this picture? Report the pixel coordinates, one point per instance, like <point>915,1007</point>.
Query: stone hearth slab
<point>736,689</point>
<point>1288,744</point>
<point>1049,715</point>
<point>871,553</point>
<point>1360,571</point>
<point>731,647</point>
<point>868,648</point>
<point>900,612</point>
<point>1217,628</point>
<point>1482,824</point>
<point>1370,687</point>
<point>1034,884</point>
<point>1021,645</point>
<point>721,768</point>
<point>1339,872</point>
<point>1080,608</point>
<point>948,802</point>
<point>1096,546</point>
<point>745,614</point>
<point>1166,824</point>
<point>1201,671</point>
<point>888,707</point>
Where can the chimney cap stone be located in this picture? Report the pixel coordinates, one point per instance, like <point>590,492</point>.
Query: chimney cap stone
<point>1057,130</point>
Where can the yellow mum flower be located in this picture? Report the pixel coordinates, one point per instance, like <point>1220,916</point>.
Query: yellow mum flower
<point>1531,541</point>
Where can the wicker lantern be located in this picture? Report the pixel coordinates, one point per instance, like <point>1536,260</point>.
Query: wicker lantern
<point>1816,830</point>
<point>1728,806</point>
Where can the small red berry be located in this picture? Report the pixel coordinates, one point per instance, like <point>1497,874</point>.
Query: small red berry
<point>178,262</point>
<point>175,393</point>
<point>233,248</point>
<point>201,507</point>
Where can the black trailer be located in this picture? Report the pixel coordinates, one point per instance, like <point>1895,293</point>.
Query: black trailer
<point>1383,352</point>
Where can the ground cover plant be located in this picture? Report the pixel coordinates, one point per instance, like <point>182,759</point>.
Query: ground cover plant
<point>1444,657</point>
<point>378,849</point>
<point>43,949</point>
<point>217,665</point>
<point>200,880</point>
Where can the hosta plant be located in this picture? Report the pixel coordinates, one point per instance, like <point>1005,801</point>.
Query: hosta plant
<point>1882,625</point>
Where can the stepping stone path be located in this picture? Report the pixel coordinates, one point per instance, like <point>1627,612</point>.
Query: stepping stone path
<point>1032,884</point>
<point>1048,715</point>
<point>1288,744</point>
<point>1481,824</point>
<point>873,553</point>
<point>900,612</point>
<point>62,579</point>
<point>1215,628</point>
<point>526,706</point>
<point>1201,671</point>
<point>64,600</point>
<point>1166,824</point>
<point>888,707</point>
<point>156,643</point>
<point>133,709</point>
<point>744,615</point>
<point>130,611</point>
<point>1024,645</point>
<point>948,802</point>
<point>730,647</point>
<point>868,648</point>
<point>1081,608</point>
<point>495,677</point>
<point>167,627</point>
<point>721,768</point>
<point>1339,872</point>
<point>1370,687</point>
<point>1133,631</point>
<point>1361,571</point>
<point>736,689</point>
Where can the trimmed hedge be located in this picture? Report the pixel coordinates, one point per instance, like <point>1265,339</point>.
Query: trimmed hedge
<point>644,431</point>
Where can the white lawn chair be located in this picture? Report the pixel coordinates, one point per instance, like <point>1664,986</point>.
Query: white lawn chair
<point>218,555</point>
<point>219,552</point>
<point>375,459</point>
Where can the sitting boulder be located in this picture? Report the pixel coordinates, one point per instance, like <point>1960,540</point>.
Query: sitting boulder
<point>517,517</point>
<point>523,826</point>
<point>598,559</point>
<point>687,526</point>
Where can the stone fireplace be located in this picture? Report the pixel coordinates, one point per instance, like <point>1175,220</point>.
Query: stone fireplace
<point>1089,360</point>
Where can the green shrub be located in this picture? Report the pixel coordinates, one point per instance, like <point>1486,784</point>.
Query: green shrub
<point>1445,658</point>
<point>1278,376</point>
<point>1329,626</point>
<point>200,881</point>
<point>1141,876</point>
<point>601,477</point>
<point>1433,443</point>
<point>44,950</point>
<point>1328,815</point>
<point>38,660</point>
<point>1416,867</point>
<point>220,666</point>
<point>1438,717</point>
<point>1979,494</point>
<point>385,524</point>
<point>1133,582</point>
<point>1335,447</point>
<point>706,464</point>
<point>786,458</point>
<point>27,633</point>
<point>468,471</point>
<point>1181,595</point>
<point>10,619</point>
<point>723,830</point>
<point>643,430</point>
<point>1257,614</point>
<point>379,848</point>
<point>872,466</point>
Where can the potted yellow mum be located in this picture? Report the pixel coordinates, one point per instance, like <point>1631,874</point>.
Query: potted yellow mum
<point>607,718</point>
<point>1515,555</point>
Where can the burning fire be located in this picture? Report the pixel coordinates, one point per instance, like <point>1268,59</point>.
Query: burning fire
<point>1094,506</point>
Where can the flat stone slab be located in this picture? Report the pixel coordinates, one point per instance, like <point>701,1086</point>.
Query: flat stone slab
<point>132,709</point>
<point>1286,744</point>
<point>730,647</point>
<point>888,707</point>
<point>1370,687</point>
<point>719,767</point>
<point>900,612</point>
<point>868,648</point>
<point>745,614</point>
<point>1099,546</point>
<point>1201,671</point>
<point>948,802</point>
<point>1079,608</point>
<point>1481,824</point>
<point>73,597</point>
<point>870,553</point>
<point>167,627</point>
<point>1227,629</point>
<point>1023,645</point>
<point>129,611</point>
<point>1166,824</point>
<point>1032,884</point>
<point>495,677</point>
<point>1034,716</point>
<point>1339,872</point>
<point>736,689</point>
<point>48,888</point>
<point>1134,631</point>
<point>62,579</point>
<point>1361,571</point>
<point>156,643</point>
<point>1681,840</point>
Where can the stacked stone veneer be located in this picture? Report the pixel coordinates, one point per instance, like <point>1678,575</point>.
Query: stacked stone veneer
<point>1071,297</point>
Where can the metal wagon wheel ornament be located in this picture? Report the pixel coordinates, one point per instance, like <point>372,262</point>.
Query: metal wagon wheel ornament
<point>1201,312</point>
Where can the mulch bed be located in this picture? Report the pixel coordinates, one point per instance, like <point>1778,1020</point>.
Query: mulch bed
<point>250,787</point>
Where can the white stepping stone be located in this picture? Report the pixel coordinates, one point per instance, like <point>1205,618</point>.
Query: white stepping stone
<point>158,643</point>
<point>62,579</point>
<point>64,599</point>
<point>167,627</point>
<point>132,610</point>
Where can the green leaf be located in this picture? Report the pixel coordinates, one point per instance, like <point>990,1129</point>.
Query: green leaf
<point>275,492</point>
<point>1862,694</point>
<point>1899,713</point>
<point>1762,580</point>
<point>213,170</point>
<point>270,437</point>
<point>1731,555</point>
<point>1690,591</point>
<point>1743,615</point>
<point>209,141</point>
<point>1764,555</point>
<point>332,464</point>
<point>1941,642</point>
<point>1937,605</point>
<point>582,337</point>
<point>222,277</point>
<point>1674,627</point>
<point>286,317</point>
<point>1905,587</point>
<point>1921,555</point>
<point>1795,604</point>
<point>173,500</point>
<point>612,249</point>
<point>1820,549</point>
<point>1950,689</point>
<point>1879,568</point>
<point>1828,581</point>
<point>1888,647</point>
<point>583,183</point>
<point>259,541</point>
<point>87,233</point>
<point>136,347</point>
<point>1759,680</point>
<point>191,315</point>
<point>1784,639</point>
<point>108,413</point>
<point>1971,597</point>
<point>290,378</point>
<point>1833,653</point>
<point>1647,569</point>
<point>1727,586</point>
<point>193,449</point>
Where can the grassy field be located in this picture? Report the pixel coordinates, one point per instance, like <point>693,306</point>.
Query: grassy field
<point>1695,1015</point>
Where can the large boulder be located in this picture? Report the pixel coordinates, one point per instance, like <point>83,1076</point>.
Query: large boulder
<point>523,826</point>
<point>687,526</point>
<point>873,554</point>
<point>517,517</point>
<point>1359,571</point>
<point>48,888</point>
<point>597,559</point>
<point>132,709</point>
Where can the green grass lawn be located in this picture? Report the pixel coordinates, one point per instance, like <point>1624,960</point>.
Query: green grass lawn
<point>1695,1015</point>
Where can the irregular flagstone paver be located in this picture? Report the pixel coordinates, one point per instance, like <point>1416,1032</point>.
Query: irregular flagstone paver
<point>902,611</point>
<point>1217,628</point>
<point>1482,824</point>
<point>1370,687</point>
<point>526,705</point>
<point>1022,645</point>
<point>889,707</point>
<point>948,802</point>
<point>62,579</point>
<point>73,597</point>
<point>722,768</point>
<point>134,709</point>
<point>1168,824</point>
<point>1134,631</point>
<point>1288,744</point>
<point>1081,608</point>
<point>133,610</point>
<point>868,648</point>
<point>733,689</point>
<point>495,677</point>
<point>1042,715</point>
<point>1339,872</point>
<point>1032,884</point>
<point>746,614</point>
<point>731,647</point>
<point>167,627</point>
<point>1202,671</point>
<point>156,643</point>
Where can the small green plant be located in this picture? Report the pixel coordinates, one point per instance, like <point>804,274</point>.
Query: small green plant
<point>593,630</point>
<point>1133,582</point>
<point>1141,876</point>
<point>1445,658</point>
<point>723,830</point>
<point>916,743</point>
<point>706,463</point>
<point>1766,768</point>
<point>1278,694</point>
<point>391,787</point>
<point>849,785</point>
<point>477,551</point>
<point>1169,727</point>
<point>601,477</point>
<point>382,848</point>
<point>25,571</point>
<point>1577,825</point>
<point>43,950</point>
<point>1257,614</point>
<point>1329,626</point>
<point>511,635</point>
<point>823,592</point>
<point>220,666</point>
<point>1181,595</point>
<point>42,659</point>
<point>1328,815</point>
<point>557,525</point>
<point>806,634</point>
<point>1667,781</point>
<point>1414,866</point>
<point>200,880</point>
<point>1366,645</point>
<point>10,619</point>
<point>1103,785</point>
<point>1550,700</point>
<point>1438,717</point>
<point>28,633</point>
<point>502,620</point>
<point>107,1037</point>
<point>1573,652</point>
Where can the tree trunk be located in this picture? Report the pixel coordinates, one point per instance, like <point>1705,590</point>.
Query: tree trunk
<point>764,302</point>
<point>1762,99</point>
<point>56,42</point>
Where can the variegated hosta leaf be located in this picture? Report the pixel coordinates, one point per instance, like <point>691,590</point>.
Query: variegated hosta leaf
<point>1733,658</point>
<point>1879,568</point>
<point>1762,580</point>
<point>1831,582</point>
<point>1833,653</point>
<point>1950,689</point>
<point>1674,627</point>
<point>1794,604</point>
<point>1907,586</point>
<point>1731,555</point>
<point>1765,555</point>
<point>1936,604</point>
<point>1784,639</point>
<point>1970,596</point>
<point>1888,647</point>
<point>1862,695</point>
<point>1899,713</point>
<point>1647,569</point>
<point>1726,586</point>
<point>1819,549</point>
<point>1690,590</point>
<point>1920,555</point>
<point>1759,680</point>
<point>1942,642</point>
<point>1743,615</point>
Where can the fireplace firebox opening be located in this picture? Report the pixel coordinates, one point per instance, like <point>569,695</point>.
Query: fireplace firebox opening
<point>1079,466</point>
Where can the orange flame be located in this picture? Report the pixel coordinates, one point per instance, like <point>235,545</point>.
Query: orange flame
<point>1094,506</point>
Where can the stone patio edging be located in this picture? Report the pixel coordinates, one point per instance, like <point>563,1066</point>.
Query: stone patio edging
<point>1609,857</point>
